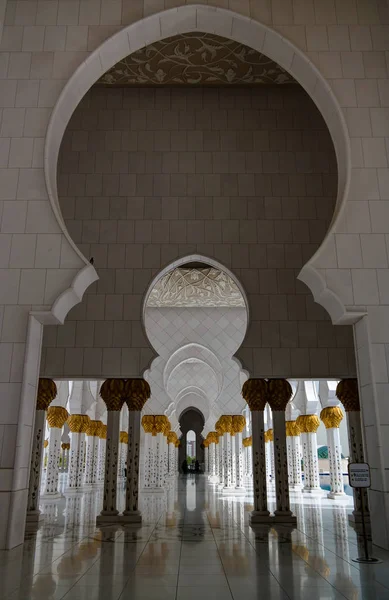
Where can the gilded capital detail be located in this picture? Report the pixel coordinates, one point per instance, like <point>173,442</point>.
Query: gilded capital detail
<point>161,422</point>
<point>47,391</point>
<point>225,423</point>
<point>238,424</point>
<point>292,429</point>
<point>112,392</point>
<point>137,392</point>
<point>148,423</point>
<point>57,416</point>
<point>255,392</point>
<point>348,393</point>
<point>268,435</point>
<point>93,428</point>
<point>308,423</point>
<point>78,423</point>
<point>331,416</point>
<point>280,392</point>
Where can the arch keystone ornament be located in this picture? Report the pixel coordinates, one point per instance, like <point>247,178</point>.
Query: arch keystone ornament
<point>279,394</point>
<point>137,392</point>
<point>348,393</point>
<point>47,391</point>
<point>112,391</point>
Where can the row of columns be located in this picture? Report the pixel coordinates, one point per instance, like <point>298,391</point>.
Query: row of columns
<point>160,453</point>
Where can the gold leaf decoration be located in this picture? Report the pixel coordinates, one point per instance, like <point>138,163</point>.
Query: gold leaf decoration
<point>196,59</point>
<point>348,394</point>
<point>137,392</point>
<point>255,392</point>
<point>112,392</point>
<point>57,416</point>
<point>47,391</point>
<point>331,416</point>
<point>308,423</point>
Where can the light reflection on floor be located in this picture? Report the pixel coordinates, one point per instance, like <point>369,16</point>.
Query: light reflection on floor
<point>193,543</point>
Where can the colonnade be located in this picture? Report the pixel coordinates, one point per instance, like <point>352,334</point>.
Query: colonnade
<point>270,456</point>
<point>160,453</point>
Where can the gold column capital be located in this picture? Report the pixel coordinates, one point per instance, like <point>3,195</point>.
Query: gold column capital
<point>238,423</point>
<point>148,423</point>
<point>255,392</point>
<point>348,393</point>
<point>136,392</point>
<point>292,429</point>
<point>65,446</point>
<point>57,416</point>
<point>161,422</point>
<point>308,423</point>
<point>171,437</point>
<point>78,423</point>
<point>47,391</point>
<point>225,423</point>
<point>112,392</point>
<point>331,416</point>
<point>103,432</point>
<point>247,442</point>
<point>280,392</point>
<point>268,436</point>
<point>93,428</point>
<point>177,444</point>
<point>123,437</point>
<point>218,427</point>
<point>45,443</point>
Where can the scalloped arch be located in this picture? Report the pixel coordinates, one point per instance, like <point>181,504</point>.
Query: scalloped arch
<point>226,23</point>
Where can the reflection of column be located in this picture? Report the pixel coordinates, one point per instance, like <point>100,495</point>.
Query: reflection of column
<point>280,392</point>
<point>238,424</point>
<point>308,425</point>
<point>56,418</point>
<point>90,459</point>
<point>254,391</point>
<point>112,392</point>
<point>47,391</point>
<point>332,417</point>
<point>348,394</point>
<point>78,424</point>
<point>137,394</point>
<point>294,455</point>
<point>268,436</point>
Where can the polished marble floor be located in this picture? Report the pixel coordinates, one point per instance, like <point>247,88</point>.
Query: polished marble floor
<point>193,544</point>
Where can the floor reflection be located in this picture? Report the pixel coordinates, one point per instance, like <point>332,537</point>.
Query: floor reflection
<point>192,542</point>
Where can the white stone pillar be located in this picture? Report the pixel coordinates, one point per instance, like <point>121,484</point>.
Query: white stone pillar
<point>260,512</point>
<point>308,425</point>
<point>101,454</point>
<point>95,451</point>
<point>212,461</point>
<point>280,392</point>
<point>56,418</point>
<point>165,448</point>
<point>132,513</point>
<point>227,455</point>
<point>149,453</point>
<point>206,457</point>
<point>238,425</point>
<point>171,439</point>
<point>332,417</point>
<point>112,392</point>
<point>78,425</point>
<point>92,430</point>
<point>47,391</point>
<point>269,456</point>
<point>294,456</point>
<point>219,459</point>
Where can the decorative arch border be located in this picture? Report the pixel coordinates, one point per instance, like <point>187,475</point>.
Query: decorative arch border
<point>189,351</point>
<point>242,29</point>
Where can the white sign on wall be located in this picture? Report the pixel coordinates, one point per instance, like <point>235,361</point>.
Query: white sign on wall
<point>359,475</point>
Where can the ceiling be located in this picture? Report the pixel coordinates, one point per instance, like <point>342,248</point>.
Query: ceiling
<point>201,59</point>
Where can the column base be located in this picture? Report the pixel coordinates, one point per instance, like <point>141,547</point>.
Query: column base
<point>34,516</point>
<point>333,495</point>
<point>130,517</point>
<point>258,517</point>
<point>56,496</point>
<point>286,517</point>
<point>106,519</point>
<point>313,491</point>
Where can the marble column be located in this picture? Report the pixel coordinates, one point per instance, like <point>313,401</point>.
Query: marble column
<point>47,391</point>
<point>161,423</point>
<point>171,440</point>
<point>254,391</point>
<point>90,433</point>
<point>123,437</point>
<point>65,447</point>
<point>308,425</point>
<point>206,457</point>
<point>101,453</point>
<point>56,418</point>
<point>166,457</point>
<point>332,417</point>
<point>137,394</point>
<point>226,426</point>
<point>177,445</point>
<point>78,425</point>
<point>347,392</point>
<point>238,425</point>
<point>219,457</point>
<point>279,393</point>
<point>212,461</point>
<point>269,456</point>
<point>294,456</point>
<point>149,482</point>
<point>95,453</point>
<point>112,392</point>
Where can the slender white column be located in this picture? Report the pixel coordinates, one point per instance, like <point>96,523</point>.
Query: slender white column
<point>308,425</point>
<point>219,458</point>
<point>89,442</point>
<point>78,425</point>
<point>294,456</point>
<point>132,513</point>
<point>269,456</point>
<point>33,512</point>
<point>332,417</point>
<point>110,511</point>
<point>281,471</point>
<point>206,459</point>
<point>101,454</point>
<point>165,448</point>
<point>227,460</point>
<point>149,467</point>
<point>52,468</point>
<point>249,457</point>
<point>212,461</point>
<point>172,438</point>
<point>95,459</point>
<point>260,511</point>
<point>239,482</point>
<point>159,460</point>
